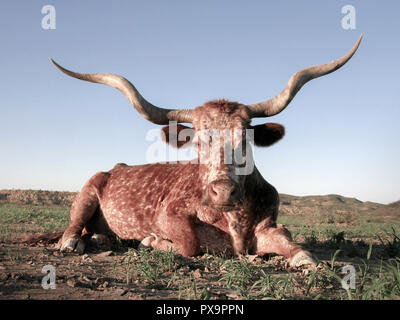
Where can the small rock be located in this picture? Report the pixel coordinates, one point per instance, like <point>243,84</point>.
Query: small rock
<point>251,257</point>
<point>197,273</point>
<point>105,284</point>
<point>320,266</point>
<point>105,254</point>
<point>133,296</point>
<point>15,276</point>
<point>71,283</point>
<point>4,276</point>
<point>121,291</point>
<point>206,256</point>
<point>305,272</point>
<point>86,258</point>
<point>86,280</point>
<point>232,296</point>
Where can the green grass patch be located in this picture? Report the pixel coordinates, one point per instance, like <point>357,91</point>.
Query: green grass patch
<point>16,219</point>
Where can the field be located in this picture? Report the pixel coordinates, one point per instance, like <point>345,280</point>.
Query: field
<point>339,231</point>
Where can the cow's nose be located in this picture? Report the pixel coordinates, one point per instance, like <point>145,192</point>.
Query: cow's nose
<point>223,192</point>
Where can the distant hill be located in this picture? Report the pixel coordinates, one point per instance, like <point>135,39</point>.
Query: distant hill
<point>394,204</point>
<point>332,203</point>
<point>390,212</point>
<point>38,197</point>
<point>327,206</point>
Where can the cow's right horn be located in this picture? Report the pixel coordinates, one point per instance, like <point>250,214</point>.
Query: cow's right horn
<point>275,105</point>
<point>146,109</point>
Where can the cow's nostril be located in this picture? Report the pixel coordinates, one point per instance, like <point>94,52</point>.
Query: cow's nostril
<point>214,192</point>
<point>223,192</point>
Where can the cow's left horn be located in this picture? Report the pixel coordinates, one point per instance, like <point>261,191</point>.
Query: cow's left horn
<point>146,109</point>
<point>278,103</point>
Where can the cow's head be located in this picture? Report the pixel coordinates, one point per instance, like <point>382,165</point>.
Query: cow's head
<point>220,131</point>
<point>222,136</point>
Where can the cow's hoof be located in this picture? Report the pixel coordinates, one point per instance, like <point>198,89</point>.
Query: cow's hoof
<point>303,258</point>
<point>99,240</point>
<point>146,242</point>
<point>73,245</point>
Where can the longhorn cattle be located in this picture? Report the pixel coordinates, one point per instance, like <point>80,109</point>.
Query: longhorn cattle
<point>200,205</point>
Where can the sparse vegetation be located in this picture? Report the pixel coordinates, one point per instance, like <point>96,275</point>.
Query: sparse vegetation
<point>19,219</point>
<point>369,242</point>
<point>239,275</point>
<point>148,265</point>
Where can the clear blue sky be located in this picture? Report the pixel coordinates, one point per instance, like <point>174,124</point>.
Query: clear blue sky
<point>342,130</point>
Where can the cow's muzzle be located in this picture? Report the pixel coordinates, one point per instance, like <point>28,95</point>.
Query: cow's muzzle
<point>224,192</point>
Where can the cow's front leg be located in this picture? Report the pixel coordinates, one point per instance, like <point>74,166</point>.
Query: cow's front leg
<point>278,240</point>
<point>82,211</point>
<point>176,232</point>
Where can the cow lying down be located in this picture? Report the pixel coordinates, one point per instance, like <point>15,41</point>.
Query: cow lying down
<point>219,202</point>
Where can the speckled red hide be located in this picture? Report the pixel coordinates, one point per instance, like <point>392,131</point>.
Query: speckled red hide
<point>167,201</point>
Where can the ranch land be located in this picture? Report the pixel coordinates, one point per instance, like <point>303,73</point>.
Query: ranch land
<point>340,231</point>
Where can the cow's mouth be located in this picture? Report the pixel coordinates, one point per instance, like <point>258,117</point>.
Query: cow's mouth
<point>226,206</point>
<point>222,206</point>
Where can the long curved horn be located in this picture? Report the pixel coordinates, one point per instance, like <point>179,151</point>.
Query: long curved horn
<point>278,103</point>
<point>146,109</point>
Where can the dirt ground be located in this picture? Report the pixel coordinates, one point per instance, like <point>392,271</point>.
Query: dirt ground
<point>99,275</point>
<point>124,273</point>
<point>77,277</point>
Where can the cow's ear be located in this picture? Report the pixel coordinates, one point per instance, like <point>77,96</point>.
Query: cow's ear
<point>267,134</point>
<point>177,135</point>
